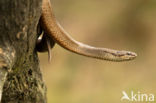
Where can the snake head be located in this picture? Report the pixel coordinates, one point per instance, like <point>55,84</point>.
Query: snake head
<point>126,55</point>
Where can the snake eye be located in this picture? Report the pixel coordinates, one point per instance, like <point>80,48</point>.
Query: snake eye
<point>128,53</point>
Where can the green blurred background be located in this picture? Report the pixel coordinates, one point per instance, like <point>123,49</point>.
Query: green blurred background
<point>118,24</point>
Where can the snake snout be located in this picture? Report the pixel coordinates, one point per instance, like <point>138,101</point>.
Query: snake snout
<point>131,55</point>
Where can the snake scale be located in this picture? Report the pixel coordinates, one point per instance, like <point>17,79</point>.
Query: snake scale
<point>53,30</point>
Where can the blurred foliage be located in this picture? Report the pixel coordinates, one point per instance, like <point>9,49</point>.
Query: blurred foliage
<point>118,24</point>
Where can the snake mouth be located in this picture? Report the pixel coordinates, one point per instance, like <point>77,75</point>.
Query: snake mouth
<point>124,56</point>
<point>130,55</point>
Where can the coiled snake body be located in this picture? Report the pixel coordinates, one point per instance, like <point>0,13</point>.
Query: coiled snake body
<point>55,32</point>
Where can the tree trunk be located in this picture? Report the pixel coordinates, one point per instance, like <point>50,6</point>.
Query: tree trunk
<point>20,76</point>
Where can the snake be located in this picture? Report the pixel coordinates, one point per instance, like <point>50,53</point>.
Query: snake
<point>55,32</point>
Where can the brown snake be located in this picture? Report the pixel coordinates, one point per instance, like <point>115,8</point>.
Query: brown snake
<point>52,29</point>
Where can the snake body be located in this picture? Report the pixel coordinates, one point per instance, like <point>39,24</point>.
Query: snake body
<point>54,30</point>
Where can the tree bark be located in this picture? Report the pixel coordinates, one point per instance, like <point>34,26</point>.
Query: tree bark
<point>20,76</point>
